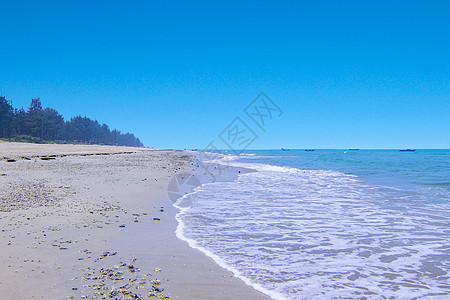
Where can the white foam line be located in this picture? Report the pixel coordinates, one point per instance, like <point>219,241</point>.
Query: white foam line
<point>193,244</point>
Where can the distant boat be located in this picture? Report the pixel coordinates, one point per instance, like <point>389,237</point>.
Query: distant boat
<point>310,150</point>
<point>284,149</point>
<point>353,149</point>
<point>407,150</point>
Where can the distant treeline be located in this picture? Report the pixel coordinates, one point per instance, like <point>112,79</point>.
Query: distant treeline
<point>43,125</point>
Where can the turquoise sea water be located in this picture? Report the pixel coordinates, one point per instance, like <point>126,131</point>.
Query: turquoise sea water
<point>329,224</point>
<point>390,167</point>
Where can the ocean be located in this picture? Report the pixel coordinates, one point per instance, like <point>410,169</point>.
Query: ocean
<point>328,224</point>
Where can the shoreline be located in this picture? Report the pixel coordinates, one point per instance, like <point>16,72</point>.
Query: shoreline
<point>213,171</point>
<point>88,227</point>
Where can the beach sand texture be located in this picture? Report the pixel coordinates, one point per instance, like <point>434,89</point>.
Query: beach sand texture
<point>83,221</point>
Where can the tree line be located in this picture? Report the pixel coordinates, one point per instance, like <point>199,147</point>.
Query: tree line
<point>37,124</point>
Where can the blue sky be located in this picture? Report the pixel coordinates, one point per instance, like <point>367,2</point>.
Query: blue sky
<point>346,74</point>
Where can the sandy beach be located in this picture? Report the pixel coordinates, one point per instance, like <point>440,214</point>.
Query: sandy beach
<point>96,222</point>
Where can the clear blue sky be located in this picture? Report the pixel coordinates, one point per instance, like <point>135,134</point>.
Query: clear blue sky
<point>347,74</point>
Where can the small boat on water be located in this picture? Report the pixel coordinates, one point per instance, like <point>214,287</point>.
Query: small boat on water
<point>407,150</point>
<point>284,149</point>
<point>310,150</point>
<point>353,149</point>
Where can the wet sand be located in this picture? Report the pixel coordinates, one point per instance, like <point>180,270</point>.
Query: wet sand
<point>96,222</point>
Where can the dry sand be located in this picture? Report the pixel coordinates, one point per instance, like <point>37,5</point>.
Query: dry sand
<point>95,222</point>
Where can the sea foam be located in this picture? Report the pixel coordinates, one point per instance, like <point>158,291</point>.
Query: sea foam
<point>319,234</point>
